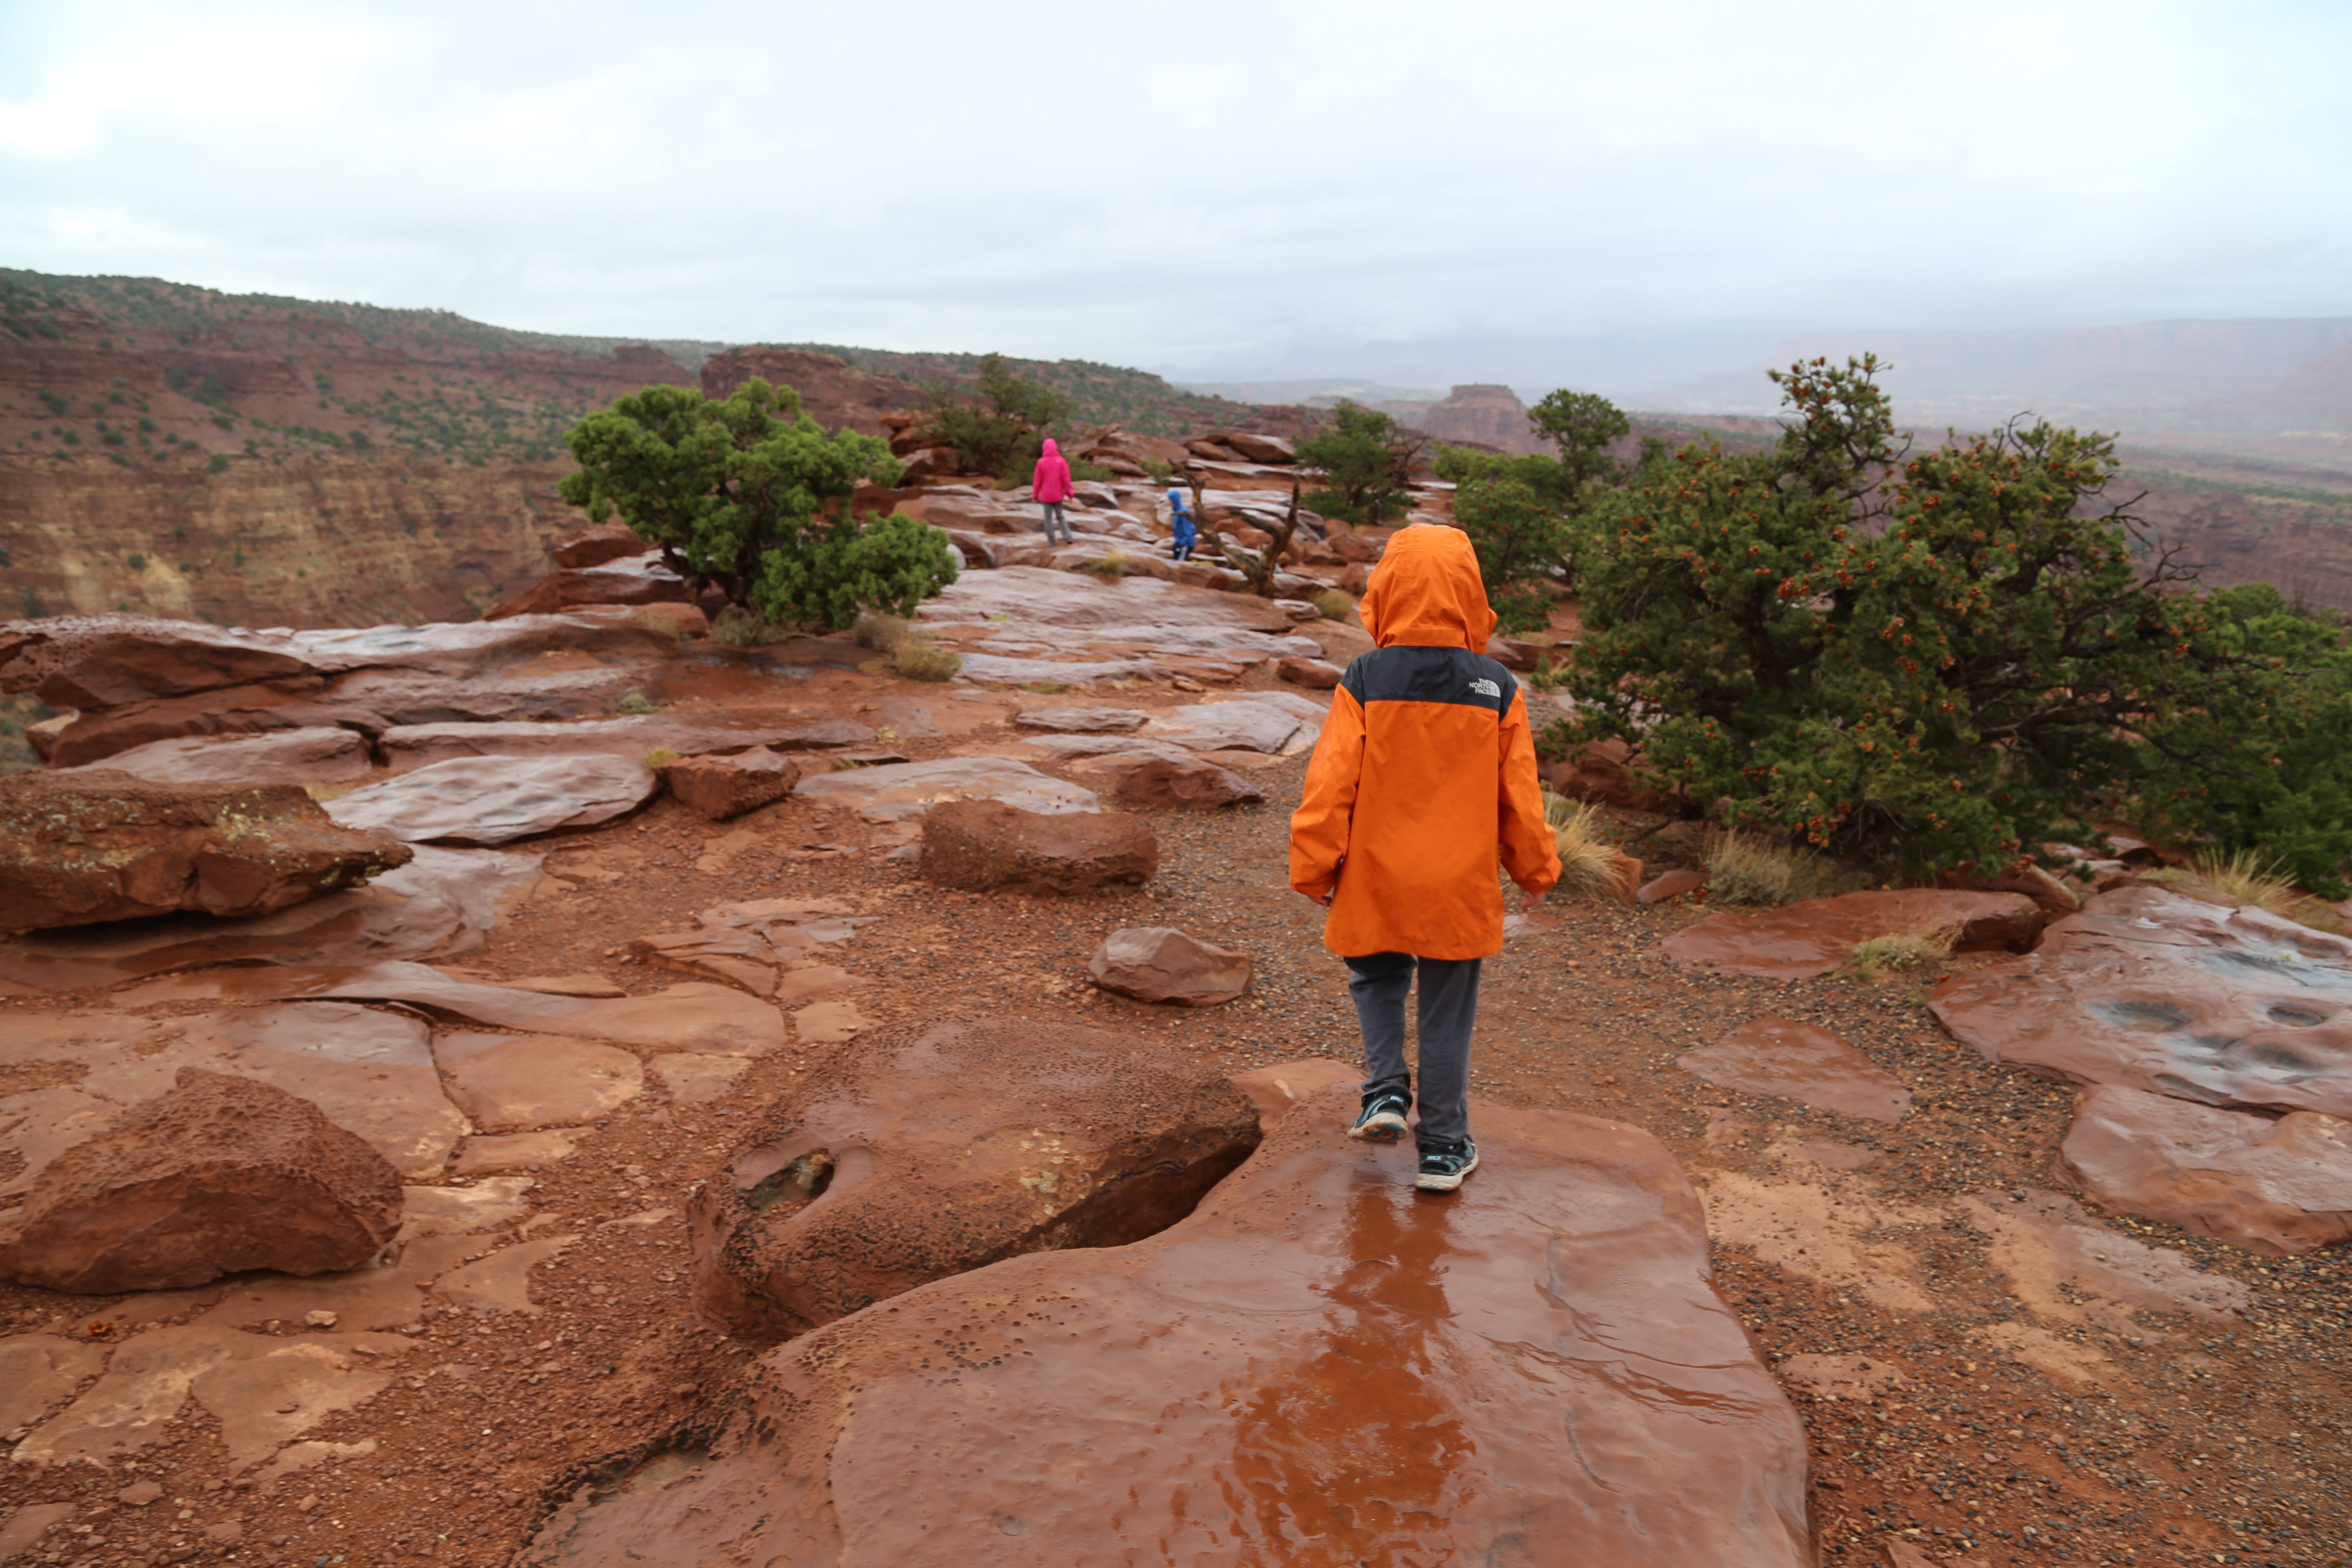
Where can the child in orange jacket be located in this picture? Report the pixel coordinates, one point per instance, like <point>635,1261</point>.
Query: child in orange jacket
<point>1424,781</point>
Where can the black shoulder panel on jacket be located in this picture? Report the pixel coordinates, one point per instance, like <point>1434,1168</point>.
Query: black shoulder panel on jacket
<point>1454,675</point>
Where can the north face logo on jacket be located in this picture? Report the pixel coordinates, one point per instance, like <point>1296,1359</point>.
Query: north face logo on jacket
<point>1486,689</point>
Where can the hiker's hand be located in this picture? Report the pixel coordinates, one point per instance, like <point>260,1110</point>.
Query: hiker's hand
<point>1325,899</point>
<point>1527,902</point>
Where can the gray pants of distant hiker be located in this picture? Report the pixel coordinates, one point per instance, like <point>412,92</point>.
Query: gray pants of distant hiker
<point>1052,509</point>
<point>1449,1010</point>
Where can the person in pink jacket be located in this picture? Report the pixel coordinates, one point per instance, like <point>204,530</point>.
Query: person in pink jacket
<point>1049,486</point>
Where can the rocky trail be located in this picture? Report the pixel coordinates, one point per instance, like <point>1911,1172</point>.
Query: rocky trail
<point>783,1176</point>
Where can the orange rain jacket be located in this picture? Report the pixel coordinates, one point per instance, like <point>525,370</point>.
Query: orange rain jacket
<point>1426,774</point>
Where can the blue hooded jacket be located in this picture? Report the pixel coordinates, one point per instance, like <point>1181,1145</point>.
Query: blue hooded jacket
<point>1183,519</point>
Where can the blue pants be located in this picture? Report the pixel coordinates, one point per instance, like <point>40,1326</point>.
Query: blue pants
<point>1449,1011</point>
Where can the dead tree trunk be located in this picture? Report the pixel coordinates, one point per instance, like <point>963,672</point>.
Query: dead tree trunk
<point>1260,565</point>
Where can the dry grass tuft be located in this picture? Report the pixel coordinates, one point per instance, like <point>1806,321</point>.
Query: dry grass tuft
<point>2246,877</point>
<point>1901,953</point>
<point>1587,864</point>
<point>919,658</point>
<point>1337,603</point>
<point>739,627</point>
<point>1742,869</point>
<point>883,634</point>
<point>1111,568</point>
<point>659,758</point>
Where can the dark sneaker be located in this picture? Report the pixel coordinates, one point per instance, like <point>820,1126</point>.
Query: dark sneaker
<point>1442,1168</point>
<point>1382,1119</point>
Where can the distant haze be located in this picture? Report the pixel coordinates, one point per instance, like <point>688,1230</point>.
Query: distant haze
<point>1606,194</point>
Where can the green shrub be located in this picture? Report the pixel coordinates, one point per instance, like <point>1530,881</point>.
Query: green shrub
<point>638,702</point>
<point>1000,427</point>
<point>1947,658</point>
<point>218,465</point>
<point>750,496</point>
<point>1082,469</point>
<point>57,401</point>
<point>1157,471</point>
<point>136,560</point>
<point>1365,459</point>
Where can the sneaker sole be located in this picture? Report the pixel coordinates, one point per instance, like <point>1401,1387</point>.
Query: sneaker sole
<point>1428,1184</point>
<point>1385,1128</point>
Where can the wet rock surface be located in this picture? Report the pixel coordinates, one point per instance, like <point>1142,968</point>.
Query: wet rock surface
<point>485,801</point>
<point>2277,1186</point>
<point>218,1174</point>
<point>986,844</point>
<point>1793,1060</point>
<point>443,901</point>
<point>1160,964</point>
<point>1318,1365</point>
<point>1163,778</point>
<point>893,792</point>
<point>920,1155</point>
<point>323,755</point>
<point>76,848</point>
<point>2155,991</point>
<point>706,733</point>
<point>1813,937</point>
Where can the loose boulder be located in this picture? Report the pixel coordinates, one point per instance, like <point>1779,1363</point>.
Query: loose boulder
<point>939,1151</point>
<point>101,845</point>
<point>1799,941</point>
<point>1312,673</point>
<point>979,844</point>
<point>721,787</point>
<point>2275,1185</point>
<point>1159,963</point>
<point>220,1174</point>
<point>1319,1366</point>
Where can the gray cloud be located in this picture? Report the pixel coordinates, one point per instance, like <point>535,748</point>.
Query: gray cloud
<point>1211,184</point>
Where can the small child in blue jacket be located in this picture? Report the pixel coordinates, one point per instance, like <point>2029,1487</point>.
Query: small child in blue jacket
<point>1180,518</point>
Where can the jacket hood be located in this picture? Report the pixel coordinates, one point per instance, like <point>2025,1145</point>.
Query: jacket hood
<point>1426,592</point>
<point>1052,447</point>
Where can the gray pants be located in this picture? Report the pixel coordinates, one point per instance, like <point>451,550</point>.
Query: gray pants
<point>1449,1010</point>
<point>1052,509</point>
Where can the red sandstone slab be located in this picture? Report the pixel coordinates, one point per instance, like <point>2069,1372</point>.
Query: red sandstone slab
<point>2276,1186</point>
<point>1318,1366</point>
<point>1799,941</point>
<point>1800,1061</point>
<point>2157,992</point>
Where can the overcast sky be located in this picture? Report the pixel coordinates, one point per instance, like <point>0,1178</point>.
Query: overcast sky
<point>1205,184</point>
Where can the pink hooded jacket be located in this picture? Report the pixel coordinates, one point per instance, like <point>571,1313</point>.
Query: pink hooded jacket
<point>1051,482</point>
